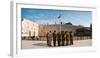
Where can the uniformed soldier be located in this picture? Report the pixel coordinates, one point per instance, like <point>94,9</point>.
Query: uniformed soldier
<point>59,38</point>
<point>67,37</point>
<point>54,38</point>
<point>63,38</point>
<point>71,38</point>
<point>49,38</point>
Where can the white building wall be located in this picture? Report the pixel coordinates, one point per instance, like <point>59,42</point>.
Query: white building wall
<point>29,28</point>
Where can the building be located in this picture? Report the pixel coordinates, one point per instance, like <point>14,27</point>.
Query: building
<point>29,28</point>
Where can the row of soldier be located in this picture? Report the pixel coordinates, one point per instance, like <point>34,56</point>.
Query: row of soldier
<point>63,38</point>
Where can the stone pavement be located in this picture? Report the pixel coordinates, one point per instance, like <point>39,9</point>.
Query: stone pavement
<point>30,44</point>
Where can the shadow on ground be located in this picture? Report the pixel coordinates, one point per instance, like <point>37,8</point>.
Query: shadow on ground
<point>40,44</point>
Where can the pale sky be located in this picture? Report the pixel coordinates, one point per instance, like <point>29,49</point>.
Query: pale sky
<point>44,16</point>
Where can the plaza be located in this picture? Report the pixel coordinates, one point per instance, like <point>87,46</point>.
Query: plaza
<point>40,24</point>
<point>31,44</point>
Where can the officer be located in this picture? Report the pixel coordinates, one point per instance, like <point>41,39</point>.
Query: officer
<point>49,38</point>
<point>63,38</point>
<point>66,37</point>
<point>71,38</point>
<point>59,38</point>
<point>54,38</point>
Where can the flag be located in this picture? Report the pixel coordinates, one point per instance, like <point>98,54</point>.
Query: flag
<point>59,16</point>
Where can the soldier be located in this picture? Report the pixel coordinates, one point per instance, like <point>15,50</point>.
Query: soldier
<point>71,38</point>
<point>66,37</point>
<point>59,38</point>
<point>49,38</point>
<point>54,38</point>
<point>62,37</point>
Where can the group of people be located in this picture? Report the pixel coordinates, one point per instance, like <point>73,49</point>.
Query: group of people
<point>63,38</point>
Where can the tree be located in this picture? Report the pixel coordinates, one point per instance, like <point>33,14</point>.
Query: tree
<point>69,23</point>
<point>83,32</point>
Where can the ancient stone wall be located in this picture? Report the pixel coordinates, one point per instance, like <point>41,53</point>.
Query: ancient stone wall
<point>43,29</point>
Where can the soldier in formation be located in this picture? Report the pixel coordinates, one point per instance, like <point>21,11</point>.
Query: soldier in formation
<point>54,38</point>
<point>49,38</point>
<point>63,38</point>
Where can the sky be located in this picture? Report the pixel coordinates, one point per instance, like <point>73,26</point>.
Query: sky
<point>50,16</point>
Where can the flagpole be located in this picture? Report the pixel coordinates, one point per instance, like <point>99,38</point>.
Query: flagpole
<point>60,22</point>
<point>60,26</point>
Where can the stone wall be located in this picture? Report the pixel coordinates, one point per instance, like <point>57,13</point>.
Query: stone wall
<point>43,29</point>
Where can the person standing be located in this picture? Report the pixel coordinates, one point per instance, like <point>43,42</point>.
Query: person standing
<point>58,38</point>
<point>66,37</point>
<point>71,38</point>
<point>62,37</point>
<point>54,38</point>
<point>49,38</point>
